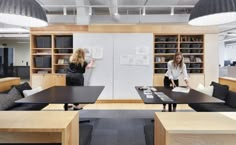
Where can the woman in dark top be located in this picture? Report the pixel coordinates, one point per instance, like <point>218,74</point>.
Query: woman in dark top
<point>77,67</point>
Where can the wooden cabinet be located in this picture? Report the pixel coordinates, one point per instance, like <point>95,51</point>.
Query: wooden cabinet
<point>48,80</point>
<point>43,80</point>
<point>158,79</point>
<point>50,58</point>
<point>59,79</point>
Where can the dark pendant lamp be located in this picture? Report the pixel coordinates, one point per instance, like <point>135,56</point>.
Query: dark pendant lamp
<point>213,12</point>
<point>26,13</point>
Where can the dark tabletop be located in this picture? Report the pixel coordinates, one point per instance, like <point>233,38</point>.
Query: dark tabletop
<point>179,98</point>
<point>65,94</point>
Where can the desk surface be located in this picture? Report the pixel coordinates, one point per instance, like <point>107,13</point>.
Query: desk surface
<point>30,121</point>
<point>196,122</point>
<point>180,98</point>
<point>228,78</point>
<point>65,94</point>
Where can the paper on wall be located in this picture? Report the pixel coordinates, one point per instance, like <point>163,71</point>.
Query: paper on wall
<point>142,50</point>
<point>141,60</point>
<point>127,59</point>
<point>97,53</point>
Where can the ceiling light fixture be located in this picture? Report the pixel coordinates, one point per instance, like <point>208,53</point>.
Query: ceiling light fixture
<point>26,13</point>
<point>64,11</point>
<point>172,11</point>
<point>13,30</point>
<point>213,12</point>
<point>144,11</point>
<point>116,11</point>
<point>90,11</point>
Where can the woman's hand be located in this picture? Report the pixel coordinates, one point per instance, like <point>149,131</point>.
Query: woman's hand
<point>90,65</point>
<point>187,84</point>
<point>174,85</point>
<point>92,60</point>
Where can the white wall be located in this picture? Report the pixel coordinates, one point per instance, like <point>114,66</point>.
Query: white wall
<point>211,58</point>
<point>222,57</point>
<point>21,51</point>
<point>230,52</point>
<point>226,52</point>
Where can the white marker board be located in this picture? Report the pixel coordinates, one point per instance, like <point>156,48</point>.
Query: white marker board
<point>119,79</point>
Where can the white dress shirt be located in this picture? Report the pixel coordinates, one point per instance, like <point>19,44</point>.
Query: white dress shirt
<point>173,72</point>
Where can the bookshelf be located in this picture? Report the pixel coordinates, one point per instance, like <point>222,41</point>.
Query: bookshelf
<point>191,46</point>
<point>49,58</point>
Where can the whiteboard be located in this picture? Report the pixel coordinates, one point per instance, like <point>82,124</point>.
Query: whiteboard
<point>102,73</point>
<point>126,77</point>
<point>119,79</point>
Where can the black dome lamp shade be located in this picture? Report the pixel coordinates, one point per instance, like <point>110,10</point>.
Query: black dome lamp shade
<point>213,12</point>
<point>26,13</point>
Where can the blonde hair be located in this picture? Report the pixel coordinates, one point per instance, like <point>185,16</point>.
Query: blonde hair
<point>181,62</point>
<point>78,57</point>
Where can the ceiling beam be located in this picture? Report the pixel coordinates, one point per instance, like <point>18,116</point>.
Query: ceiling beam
<point>82,16</point>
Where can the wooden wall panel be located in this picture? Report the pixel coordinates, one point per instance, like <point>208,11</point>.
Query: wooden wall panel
<point>231,82</point>
<point>126,28</point>
<point>6,83</point>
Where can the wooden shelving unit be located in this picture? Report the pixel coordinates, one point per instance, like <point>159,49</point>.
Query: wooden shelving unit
<point>191,46</point>
<point>50,58</point>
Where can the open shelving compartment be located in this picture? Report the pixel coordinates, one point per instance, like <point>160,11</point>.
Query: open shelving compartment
<point>50,53</point>
<point>62,50</point>
<point>41,54</point>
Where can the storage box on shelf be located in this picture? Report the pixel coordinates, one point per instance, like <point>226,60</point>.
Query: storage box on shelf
<point>41,52</point>
<point>62,51</point>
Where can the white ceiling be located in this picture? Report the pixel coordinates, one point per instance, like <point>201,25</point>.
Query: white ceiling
<point>129,12</point>
<point>103,11</point>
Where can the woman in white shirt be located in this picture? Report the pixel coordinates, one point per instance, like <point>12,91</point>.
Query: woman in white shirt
<point>175,68</point>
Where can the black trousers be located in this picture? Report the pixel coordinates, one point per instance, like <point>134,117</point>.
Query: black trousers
<point>167,84</point>
<point>74,79</point>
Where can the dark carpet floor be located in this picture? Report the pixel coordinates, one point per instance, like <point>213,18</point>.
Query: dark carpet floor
<point>117,127</point>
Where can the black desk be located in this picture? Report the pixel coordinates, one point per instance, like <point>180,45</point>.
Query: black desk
<point>178,98</point>
<point>65,94</point>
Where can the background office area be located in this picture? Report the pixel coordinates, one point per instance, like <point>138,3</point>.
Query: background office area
<point>131,41</point>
